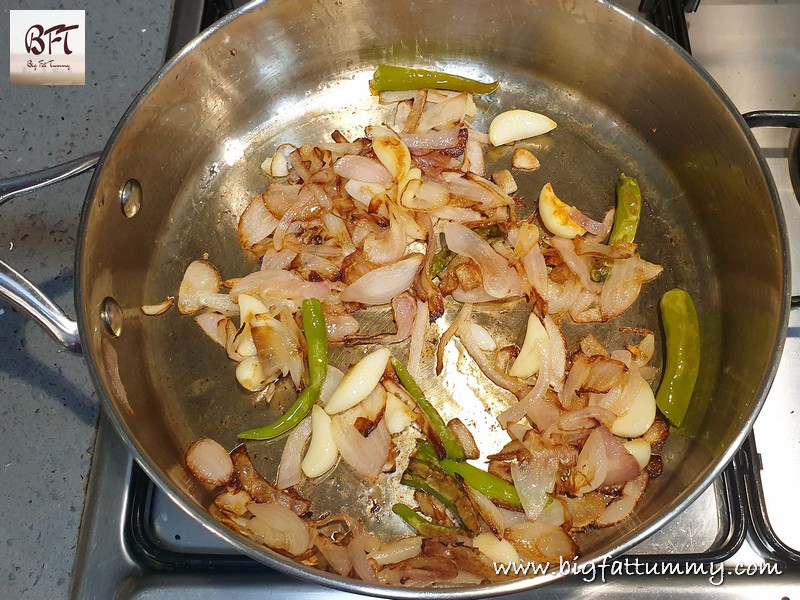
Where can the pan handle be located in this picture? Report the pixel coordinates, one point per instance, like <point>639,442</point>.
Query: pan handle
<point>773,118</point>
<point>16,288</point>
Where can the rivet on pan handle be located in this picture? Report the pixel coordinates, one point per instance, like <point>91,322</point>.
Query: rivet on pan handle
<point>16,288</point>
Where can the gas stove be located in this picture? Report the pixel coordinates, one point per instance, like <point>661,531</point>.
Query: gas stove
<point>738,539</point>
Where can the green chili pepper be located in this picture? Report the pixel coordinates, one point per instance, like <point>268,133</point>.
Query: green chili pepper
<point>423,476</point>
<point>682,333</point>
<point>443,257</point>
<point>449,440</point>
<point>388,78</point>
<point>488,484</point>
<point>626,221</point>
<point>421,525</point>
<point>317,343</point>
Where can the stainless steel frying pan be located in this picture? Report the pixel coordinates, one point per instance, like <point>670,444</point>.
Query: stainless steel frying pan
<point>184,161</point>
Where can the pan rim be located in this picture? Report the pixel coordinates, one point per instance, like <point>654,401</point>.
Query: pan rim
<point>290,567</point>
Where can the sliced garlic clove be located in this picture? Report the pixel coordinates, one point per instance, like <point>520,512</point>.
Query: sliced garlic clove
<point>505,180</point>
<point>518,124</point>
<point>556,216</point>
<point>640,414</point>
<point>358,382</point>
<point>499,551</point>
<point>393,154</point>
<point>322,452</point>
<point>528,360</point>
<point>397,415</point>
<point>154,310</point>
<point>639,448</point>
<point>250,375</point>
<point>524,160</point>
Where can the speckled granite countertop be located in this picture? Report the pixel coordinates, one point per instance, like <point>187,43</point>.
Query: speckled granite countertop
<point>48,407</point>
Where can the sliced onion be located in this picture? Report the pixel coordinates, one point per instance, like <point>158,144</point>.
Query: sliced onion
<point>498,550</point>
<point>437,139</point>
<point>621,465</point>
<point>473,157</point>
<point>279,528</point>
<point>277,284</point>
<point>363,192</point>
<point>363,169</point>
<point>209,462</point>
<point>233,502</point>
<point>212,324</point>
<point>483,339</point>
<point>289,470</point>
<point>623,284</point>
<point>222,303</point>
<point>556,352</point>
<point>358,548</point>
<point>338,557</point>
<point>393,154</point>
<point>495,375</point>
<point>429,196</point>
<point>340,327</point>
<point>394,552</point>
<point>516,411</point>
<point>461,317</point>
<point>622,507</point>
<point>367,456</point>
<point>333,378</point>
<point>380,285</point>
<point>560,301</point>
<point>473,296</point>
<point>280,197</point>
<point>277,259</point>
<point>542,542</point>
<point>499,280</point>
<point>200,278</point>
<point>465,438</point>
<point>386,247</point>
<point>256,223</point>
<point>585,509</point>
<point>576,263</point>
<point>534,479</point>
<point>491,514</point>
<point>261,490</point>
<point>416,345</point>
<point>589,224</point>
<point>444,113</point>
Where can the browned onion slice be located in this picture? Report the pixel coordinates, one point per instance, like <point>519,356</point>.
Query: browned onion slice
<point>279,528</point>
<point>209,462</point>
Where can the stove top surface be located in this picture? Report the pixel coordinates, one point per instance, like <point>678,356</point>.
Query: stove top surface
<point>741,535</point>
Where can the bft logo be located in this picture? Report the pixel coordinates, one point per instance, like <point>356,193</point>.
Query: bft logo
<point>48,47</point>
<point>35,38</point>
